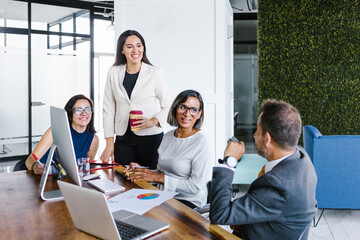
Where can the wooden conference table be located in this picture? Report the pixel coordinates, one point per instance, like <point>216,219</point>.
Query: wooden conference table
<point>23,215</point>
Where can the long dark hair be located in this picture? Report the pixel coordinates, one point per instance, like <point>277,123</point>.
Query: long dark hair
<point>120,58</point>
<point>69,110</point>
<point>181,98</point>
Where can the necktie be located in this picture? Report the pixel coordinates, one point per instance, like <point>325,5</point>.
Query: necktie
<point>262,171</point>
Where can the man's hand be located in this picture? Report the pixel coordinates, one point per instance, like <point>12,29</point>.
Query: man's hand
<point>235,149</point>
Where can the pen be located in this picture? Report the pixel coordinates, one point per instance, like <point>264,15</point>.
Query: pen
<point>137,166</point>
<point>36,158</point>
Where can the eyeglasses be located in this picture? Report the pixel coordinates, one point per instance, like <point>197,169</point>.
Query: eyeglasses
<point>78,111</point>
<point>193,110</point>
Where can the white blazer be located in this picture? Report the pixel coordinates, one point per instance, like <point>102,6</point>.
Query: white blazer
<point>150,95</point>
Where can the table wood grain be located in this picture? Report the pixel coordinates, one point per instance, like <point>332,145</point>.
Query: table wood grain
<point>23,215</point>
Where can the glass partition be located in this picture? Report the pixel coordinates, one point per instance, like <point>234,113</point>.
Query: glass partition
<point>14,127</point>
<point>63,17</point>
<point>14,99</point>
<point>83,23</point>
<point>59,57</point>
<point>60,68</point>
<point>13,14</point>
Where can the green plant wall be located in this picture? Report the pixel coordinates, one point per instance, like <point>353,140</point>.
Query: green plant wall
<point>309,56</point>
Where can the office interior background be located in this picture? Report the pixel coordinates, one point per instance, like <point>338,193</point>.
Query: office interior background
<point>60,58</point>
<point>71,45</point>
<point>51,50</point>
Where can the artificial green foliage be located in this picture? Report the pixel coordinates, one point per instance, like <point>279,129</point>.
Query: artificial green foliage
<point>309,56</point>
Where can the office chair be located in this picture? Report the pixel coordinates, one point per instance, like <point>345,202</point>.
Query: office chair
<point>236,114</point>
<point>20,165</point>
<point>204,210</point>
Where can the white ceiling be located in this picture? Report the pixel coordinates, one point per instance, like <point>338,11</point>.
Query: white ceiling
<point>15,10</point>
<point>10,9</point>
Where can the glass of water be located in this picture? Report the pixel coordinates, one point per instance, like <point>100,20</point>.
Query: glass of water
<point>84,166</point>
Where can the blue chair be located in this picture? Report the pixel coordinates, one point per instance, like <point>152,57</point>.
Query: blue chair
<point>336,159</point>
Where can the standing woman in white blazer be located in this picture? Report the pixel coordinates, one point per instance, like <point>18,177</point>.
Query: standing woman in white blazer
<point>133,83</point>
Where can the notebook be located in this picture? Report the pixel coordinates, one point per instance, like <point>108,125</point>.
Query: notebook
<point>90,213</point>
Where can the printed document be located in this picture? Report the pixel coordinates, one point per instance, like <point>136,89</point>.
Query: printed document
<point>139,200</point>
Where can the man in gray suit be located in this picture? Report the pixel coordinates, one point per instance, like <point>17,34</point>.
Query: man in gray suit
<point>279,204</point>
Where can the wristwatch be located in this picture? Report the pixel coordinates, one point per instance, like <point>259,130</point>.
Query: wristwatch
<point>229,160</point>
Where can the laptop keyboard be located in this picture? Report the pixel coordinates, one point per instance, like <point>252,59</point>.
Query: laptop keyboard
<point>105,185</point>
<point>127,231</point>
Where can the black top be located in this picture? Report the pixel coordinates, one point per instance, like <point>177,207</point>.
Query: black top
<point>129,82</point>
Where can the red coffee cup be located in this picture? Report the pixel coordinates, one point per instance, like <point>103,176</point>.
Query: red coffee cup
<point>134,115</point>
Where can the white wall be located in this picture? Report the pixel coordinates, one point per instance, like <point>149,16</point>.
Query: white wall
<point>191,40</point>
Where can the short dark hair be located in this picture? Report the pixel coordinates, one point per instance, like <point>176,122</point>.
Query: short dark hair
<point>282,121</point>
<point>69,110</point>
<point>120,58</point>
<point>181,98</point>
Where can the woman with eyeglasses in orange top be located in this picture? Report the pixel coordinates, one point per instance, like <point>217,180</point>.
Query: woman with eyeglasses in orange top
<point>80,111</point>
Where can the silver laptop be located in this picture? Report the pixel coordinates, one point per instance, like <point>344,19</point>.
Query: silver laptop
<point>90,213</point>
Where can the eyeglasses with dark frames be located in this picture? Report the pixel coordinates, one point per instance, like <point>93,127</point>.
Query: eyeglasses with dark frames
<point>79,111</point>
<point>193,110</point>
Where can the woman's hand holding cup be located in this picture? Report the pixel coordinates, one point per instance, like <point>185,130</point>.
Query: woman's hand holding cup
<point>139,122</point>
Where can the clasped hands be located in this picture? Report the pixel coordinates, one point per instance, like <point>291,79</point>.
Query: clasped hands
<point>135,172</point>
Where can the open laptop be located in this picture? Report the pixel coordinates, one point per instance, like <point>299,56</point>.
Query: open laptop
<point>90,213</point>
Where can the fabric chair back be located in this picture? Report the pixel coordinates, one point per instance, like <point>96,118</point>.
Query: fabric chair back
<point>20,165</point>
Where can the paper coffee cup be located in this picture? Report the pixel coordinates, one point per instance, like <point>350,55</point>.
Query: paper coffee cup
<point>134,115</point>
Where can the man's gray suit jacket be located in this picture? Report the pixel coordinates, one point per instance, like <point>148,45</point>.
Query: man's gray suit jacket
<point>278,205</point>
